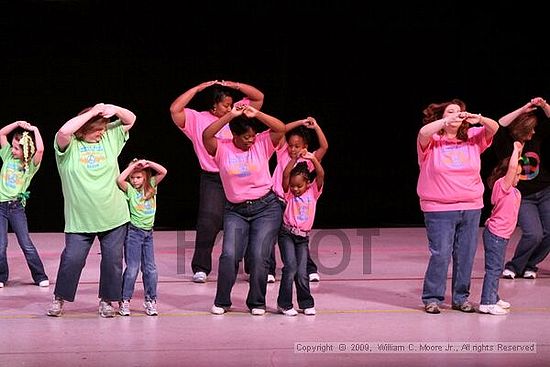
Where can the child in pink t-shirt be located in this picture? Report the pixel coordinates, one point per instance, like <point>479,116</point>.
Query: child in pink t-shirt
<point>301,195</point>
<point>297,138</point>
<point>506,200</point>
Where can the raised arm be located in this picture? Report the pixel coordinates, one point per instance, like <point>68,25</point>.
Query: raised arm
<point>286,173</point>
<point>65,133</point>
<point>491,126</point>
<point>177,108</point>
<point>39,145</point>
<point>127,117</point>
<point>323,143</point>
<point>209,134</point>
<point>320,178</point>
<point>255,96</point>
<point>276,126</point>
<point>427,131</point>
<point>508,118</point>
<point>512,171</point>
<point>121,179</point>
<point>160,169</point>
<point>6,130</point>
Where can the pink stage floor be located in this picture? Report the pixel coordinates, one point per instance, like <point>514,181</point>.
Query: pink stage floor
<point>369,313</point>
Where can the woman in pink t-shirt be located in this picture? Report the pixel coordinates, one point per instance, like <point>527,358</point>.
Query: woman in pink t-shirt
<point>500,225</point>
<point>211,196</point>
<point>451,196</point>
<point>253,213</point>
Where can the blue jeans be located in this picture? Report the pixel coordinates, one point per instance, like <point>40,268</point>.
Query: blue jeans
<point>450,234</point>
<point>534,221</point>
<point>139,252</point>
<point>250,229</point>
<point>209,220</point>
<point>294,253</point>
<point>495,249</point>
<point>311,266</point>
<point>13,212</point>
<point>73,259</point>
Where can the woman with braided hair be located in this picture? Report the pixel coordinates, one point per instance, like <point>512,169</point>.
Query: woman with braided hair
<point>21,160</point>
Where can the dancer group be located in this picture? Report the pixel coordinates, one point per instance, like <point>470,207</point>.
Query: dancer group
<point>260,210</point>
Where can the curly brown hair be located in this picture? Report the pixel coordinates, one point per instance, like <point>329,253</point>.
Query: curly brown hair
<point>435,112</point>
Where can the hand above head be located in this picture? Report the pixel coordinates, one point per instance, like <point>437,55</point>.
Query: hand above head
<point>205,85</point>
<point>108,111</point>
<point>229,84</point>
<point>538,102</point>
<point>250,111</point>
<point>310,123</point>
<point>24,125</point>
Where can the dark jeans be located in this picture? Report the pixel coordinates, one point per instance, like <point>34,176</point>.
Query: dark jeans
<point>209,220</point>
<point>13,212</point>
<point>294,252</point>
<point>73,259</point>
<point>534,221</point>
<point>249,228</point>
<point>139,252</point>
<point>311,266</point>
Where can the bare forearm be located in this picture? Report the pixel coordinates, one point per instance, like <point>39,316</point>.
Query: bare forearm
<point>255,96</point>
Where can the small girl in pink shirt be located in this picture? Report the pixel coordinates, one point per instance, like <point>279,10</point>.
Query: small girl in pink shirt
<point>506,200</point>
<point>301,195</point>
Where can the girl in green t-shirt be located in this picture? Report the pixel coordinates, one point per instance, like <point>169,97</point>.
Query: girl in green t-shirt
<point>20,161</point>
<point>139,184</point>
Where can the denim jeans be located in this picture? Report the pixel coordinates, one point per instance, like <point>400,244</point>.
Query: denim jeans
<point>495,249</point>
<point>450,234</point>
<point>311,266</point>
<point>13,212</point>
<point>294,254</point>
<point>209,220</point>
<point>534,244</point>
<point>139,253</point>
<point>73,259</point>
<point>249,228</point>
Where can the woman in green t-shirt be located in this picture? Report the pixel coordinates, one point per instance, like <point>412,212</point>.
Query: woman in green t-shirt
<point>86,151</point>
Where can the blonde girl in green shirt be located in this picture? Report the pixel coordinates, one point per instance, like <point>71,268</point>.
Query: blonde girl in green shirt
<point>140,186</point>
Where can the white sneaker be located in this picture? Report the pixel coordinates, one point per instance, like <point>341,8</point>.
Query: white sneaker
<point>529,274</point>
<point>218,310</point>
<point>310,311</point>
<point>271,278</point>
<point>150,308</point>
<point>124,308</point>
<point>314,277</point>
<point>44,283</point>
<point>257,311</point>
<point>504,304</point>
<point>106,309</point>
<point>492,309</point>
<point>199,277</point>
<point>56,309</point>
<point>1,285</point>
<point>289,312</point>
<point>508,274</point>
